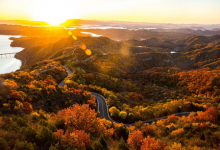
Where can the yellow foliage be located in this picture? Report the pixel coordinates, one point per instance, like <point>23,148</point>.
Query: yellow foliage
<point>11,83</point>
<point>172,124</point>
<point>178,132</point>
<point>177,146</point>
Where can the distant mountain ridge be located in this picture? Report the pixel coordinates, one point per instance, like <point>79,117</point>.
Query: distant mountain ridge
<point>23,22</point>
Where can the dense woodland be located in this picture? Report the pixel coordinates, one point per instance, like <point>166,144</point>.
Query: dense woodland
<point>140,79</point>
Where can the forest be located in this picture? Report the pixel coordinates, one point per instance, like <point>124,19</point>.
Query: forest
<point>140,80</point>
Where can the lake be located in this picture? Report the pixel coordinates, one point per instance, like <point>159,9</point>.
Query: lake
<point>8,63</point>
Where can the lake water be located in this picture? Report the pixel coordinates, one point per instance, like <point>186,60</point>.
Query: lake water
<point>8,63</point>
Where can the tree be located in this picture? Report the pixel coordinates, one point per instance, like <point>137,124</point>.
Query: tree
<point>3,144</point>
<point>102,141</point>
<point>152,144</point>
<point>27,107</point>
<point>77,139</point>
<point>216,99</point>
<point>131,116</point>
<point>96,145</point>
<point>123,114</point>
<point>114,111</point>
<point>211,114</point>
<point>23,145</point>
<point>52,147</point>
<point>135,139</point>
<point>122,145</point>
<point>122,131</point>
<point>80,117</point>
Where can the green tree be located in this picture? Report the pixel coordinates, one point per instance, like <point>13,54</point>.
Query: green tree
<point>122,145</point>
<point>96,145</point>
<point>23,145</point>
<point>102,141</point>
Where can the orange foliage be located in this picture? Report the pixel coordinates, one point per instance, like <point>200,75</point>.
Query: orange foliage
<point>82,117</point>
<point>76,139</point>
<point>79,117</point>
<point>170,119</point>
<point>150,130</point>
<point>92,103</point>
<point>152,144</point>
<point>135,139</point>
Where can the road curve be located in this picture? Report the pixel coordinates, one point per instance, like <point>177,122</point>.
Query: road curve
<point>103,109</point>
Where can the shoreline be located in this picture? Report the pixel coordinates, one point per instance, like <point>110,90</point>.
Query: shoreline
<point>22,59</point>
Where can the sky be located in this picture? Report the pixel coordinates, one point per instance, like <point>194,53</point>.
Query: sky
<point>154,11</point>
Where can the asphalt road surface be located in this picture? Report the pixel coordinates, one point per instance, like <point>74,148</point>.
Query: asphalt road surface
<point>103,109</point>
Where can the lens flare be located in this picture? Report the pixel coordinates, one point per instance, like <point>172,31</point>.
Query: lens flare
<point>88,52</point>
<point>74,37</point>
<point>70,32</point>
<point>83,46</point>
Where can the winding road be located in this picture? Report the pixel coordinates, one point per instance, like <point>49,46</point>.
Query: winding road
<point>103,109</point>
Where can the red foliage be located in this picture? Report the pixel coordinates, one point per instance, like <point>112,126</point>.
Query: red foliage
<point>203,126</point>
<point>27,107</point>
<point>49,82</point>
<point>16,96</point>
<point>210,114</point>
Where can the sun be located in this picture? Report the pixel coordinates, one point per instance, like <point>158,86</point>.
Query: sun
<point>54,12</point>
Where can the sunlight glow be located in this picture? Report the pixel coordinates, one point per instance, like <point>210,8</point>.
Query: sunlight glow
<point>88,52</point>
<point>54,12</point>
<point>74,37</point>
<point>83,46</point>
<point>70,32</point>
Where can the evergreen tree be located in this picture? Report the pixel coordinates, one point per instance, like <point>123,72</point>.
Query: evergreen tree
<point>122,145</point>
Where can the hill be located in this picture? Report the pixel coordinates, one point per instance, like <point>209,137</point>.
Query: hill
<point>138,83</point>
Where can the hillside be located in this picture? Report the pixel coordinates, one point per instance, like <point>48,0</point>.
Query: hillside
<point>140,80</point>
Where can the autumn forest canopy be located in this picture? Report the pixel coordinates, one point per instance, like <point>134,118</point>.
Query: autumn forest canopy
<point>143,74</point>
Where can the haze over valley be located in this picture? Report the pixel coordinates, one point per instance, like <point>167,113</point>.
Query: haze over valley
<point>109,75</point>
